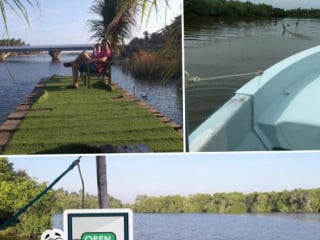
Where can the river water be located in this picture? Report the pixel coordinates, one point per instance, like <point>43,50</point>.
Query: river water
<point>19,75</point>
<point>218,48</point>
<point>223,226</point>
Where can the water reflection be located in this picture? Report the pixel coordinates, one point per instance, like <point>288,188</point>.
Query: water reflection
<point>167,96</point>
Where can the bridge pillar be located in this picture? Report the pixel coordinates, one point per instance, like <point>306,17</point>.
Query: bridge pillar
<point>55,54</point>
<point>3,55</point>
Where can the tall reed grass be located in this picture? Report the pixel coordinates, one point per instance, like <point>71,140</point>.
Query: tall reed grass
<point>149,64</point>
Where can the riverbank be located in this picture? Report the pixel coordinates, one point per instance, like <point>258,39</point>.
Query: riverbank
<point>53,119</point>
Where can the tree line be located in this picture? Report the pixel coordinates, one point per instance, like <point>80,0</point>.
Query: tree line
<point>236,9</point>
<point>295,201</point>
<point>12,42</point>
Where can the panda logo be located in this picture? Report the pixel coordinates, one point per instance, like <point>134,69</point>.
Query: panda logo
<point>53,234</point>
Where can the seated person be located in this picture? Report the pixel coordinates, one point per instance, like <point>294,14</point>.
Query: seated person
<point>96,49</point>
<point>96,54</point>
<point>96,62</point>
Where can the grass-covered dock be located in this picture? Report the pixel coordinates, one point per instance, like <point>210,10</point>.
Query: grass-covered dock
<point>54,120</point>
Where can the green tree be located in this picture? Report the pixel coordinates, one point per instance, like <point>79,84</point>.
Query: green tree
<point>197,203</point>
<point>299,200</point>
<point>7,174</point>
<point>284,201</point>
<point>6,170</point>
<point>114,202</point>
<point>15,195</point>
<point>261,204</point>
<point>236,203</point>
<point>16,190</point>
<point>236,10</point>
<point>14,42</point>
<point>172,204</point>
<point>73,200</point>
<point>147,204</point>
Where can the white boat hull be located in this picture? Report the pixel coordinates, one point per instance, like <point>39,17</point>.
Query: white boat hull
<point>275,110</point>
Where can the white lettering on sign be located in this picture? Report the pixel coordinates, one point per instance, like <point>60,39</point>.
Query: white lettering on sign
<point>98,238</point>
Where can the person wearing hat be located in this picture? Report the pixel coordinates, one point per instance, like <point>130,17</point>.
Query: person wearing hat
<point>96,62</point>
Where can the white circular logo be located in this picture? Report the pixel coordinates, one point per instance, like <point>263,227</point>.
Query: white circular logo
<point>52,234</point>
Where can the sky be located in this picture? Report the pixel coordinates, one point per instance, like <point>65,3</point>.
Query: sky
<point>184,173</point>
<point>65,22</point>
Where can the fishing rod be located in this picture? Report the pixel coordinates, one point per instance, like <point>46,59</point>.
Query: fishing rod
<point>15,82</point>
<point>23,209</point>
<point>13,79</point>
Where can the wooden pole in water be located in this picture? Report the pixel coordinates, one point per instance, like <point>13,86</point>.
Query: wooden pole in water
<point>102,181</point>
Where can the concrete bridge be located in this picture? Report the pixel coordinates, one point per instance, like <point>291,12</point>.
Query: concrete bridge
<point>53,50</point>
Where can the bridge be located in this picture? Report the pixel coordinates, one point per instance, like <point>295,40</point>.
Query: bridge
<point>53,50</point>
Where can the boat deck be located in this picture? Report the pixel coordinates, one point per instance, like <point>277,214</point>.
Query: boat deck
<point>292,119</point>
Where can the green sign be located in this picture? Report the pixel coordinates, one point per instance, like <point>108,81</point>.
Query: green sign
<point>98,236</point>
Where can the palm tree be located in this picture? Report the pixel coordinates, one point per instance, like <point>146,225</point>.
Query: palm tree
<point>118,16</point>
<point>116,19</point>
<point>19,8</point>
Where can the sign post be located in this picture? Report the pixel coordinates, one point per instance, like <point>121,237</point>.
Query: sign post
<point>98,224</point>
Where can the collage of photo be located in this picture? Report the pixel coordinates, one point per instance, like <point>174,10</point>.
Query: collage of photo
<point>158,119</point>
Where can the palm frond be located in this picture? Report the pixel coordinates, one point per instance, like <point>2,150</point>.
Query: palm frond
<point>153,5</point>
<point>148,7</point>
<point>4,16</point>
<point>120,27</point>
<point>116,19</point>
<point>172,48</point>
<point>19,8</point>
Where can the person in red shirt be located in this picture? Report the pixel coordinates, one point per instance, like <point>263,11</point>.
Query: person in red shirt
<point>96,62</point>
<point>96,50</point>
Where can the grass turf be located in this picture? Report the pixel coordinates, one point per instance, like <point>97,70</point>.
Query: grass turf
<point>80,121</point>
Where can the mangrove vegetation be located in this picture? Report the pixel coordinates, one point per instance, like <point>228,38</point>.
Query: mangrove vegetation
<point>295,201</point>
<point>226,9</point>
<point>17,189</point>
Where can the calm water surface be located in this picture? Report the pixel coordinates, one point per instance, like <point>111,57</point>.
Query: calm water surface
<point>19,75</point>
<point>223,226</point>
<point>217,48</point>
